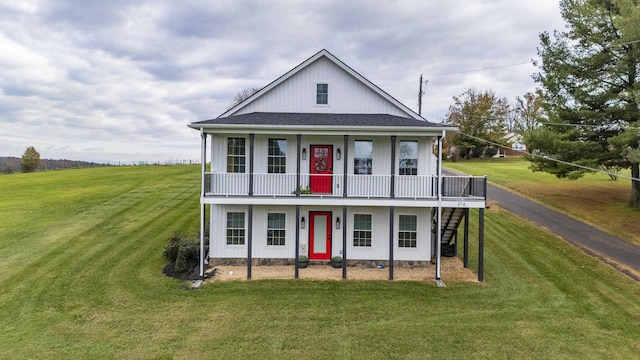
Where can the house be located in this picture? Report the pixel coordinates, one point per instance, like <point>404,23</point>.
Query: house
<point>516,141</point>
<point>321,162</point>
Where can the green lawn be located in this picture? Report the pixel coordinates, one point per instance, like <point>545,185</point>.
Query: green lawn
<point>80,253</point>
<point>595,198</point>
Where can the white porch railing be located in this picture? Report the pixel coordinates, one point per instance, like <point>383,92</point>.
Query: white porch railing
<point>358,186</point>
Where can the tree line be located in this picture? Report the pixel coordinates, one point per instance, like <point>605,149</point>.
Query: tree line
<point>31,161</point>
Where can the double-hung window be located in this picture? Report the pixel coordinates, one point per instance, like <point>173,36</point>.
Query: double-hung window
<point>277,156</point>
<point>363,157</point>
<point>408,158</point>
<point>362,230</point>
<point>235,228</point>
<point>275,228</point>
<point>322,94</point>
<point>407,234</point>
<point>236,155</point>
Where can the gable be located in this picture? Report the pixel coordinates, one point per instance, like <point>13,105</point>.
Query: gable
<point>349,92</point>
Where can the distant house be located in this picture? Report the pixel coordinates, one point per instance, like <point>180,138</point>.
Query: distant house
<point>516,142</point>
<point>321,162</point>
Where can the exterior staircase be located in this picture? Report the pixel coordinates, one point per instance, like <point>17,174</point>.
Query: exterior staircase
<point>451,219</point>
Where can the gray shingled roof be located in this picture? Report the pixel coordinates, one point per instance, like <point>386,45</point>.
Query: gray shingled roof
<point>317,119</point>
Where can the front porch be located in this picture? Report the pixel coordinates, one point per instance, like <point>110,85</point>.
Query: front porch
<point>349,186</point>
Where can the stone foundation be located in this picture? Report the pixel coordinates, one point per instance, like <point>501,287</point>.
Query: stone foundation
<point>371,264</point>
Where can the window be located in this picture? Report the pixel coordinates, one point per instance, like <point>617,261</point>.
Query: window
<point>277,158</point>
<point>407,234</point>
<point>235,228</point>
<point>235,155</point>
<point>275,228</point>
<point>361,230</point>
<point>363,158</point>
<point>408,158</point>
<point>322,94</point>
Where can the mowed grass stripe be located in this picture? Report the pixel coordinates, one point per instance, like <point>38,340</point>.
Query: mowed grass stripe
<point>538,300</point>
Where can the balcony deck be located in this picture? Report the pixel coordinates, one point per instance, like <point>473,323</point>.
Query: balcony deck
<point>457,191</point>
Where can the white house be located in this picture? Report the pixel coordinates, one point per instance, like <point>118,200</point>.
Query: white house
<point>321,162</point>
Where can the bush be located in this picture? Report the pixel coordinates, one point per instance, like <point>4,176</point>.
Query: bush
<point>181,259</point>
<point>183,253</point>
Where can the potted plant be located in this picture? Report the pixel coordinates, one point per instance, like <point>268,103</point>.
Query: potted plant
<point>303,262</point>
<point>336,261</point>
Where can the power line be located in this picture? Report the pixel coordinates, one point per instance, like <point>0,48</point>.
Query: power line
<point>481,69</point>
<point>551,159</point>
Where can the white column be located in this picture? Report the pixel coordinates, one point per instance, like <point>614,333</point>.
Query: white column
<point>439,216</point>
<point>203,220</point>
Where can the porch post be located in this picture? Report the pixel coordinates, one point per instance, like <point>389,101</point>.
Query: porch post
<point>481,246</point>
<point>345,161</point>
<point>249,240</point>
<point>392,190</point>
<point>298,146</point>
<point>203,168</point>
<point>297,251</point>
<point>391,222</point>
<point>465,257</point>
<point>392,194</point>
<point>251,140</point>
<point>439,215</point>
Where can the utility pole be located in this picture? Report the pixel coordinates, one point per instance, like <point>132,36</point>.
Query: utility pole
<point>420,93</point>
<point>420,97</point>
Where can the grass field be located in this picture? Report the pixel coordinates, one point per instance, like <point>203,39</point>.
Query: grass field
<point>80,253</point>
<point>594,198</point>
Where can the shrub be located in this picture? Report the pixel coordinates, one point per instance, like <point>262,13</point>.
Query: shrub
<point>183,252</point>
<point>181,259</point>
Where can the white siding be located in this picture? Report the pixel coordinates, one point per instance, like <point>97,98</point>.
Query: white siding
<point>347,95</point>
<point>379,249</point>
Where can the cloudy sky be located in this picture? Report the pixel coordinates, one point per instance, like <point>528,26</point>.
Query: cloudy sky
<point>119,80</point>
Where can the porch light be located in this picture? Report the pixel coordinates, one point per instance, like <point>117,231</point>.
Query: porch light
<point>338,223</point>
<point>302,223</point>
<point>338,154</point>
<point>304,155</point>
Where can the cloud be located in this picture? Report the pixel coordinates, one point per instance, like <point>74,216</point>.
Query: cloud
<point>104,81</point>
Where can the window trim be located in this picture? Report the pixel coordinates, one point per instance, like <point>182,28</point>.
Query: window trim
<point>242,232</point>
<point>318,93</point>
<point>357,230</point>
<point>369,167</point>
<point>231,165</point>
<point>412,240</point>
<point>282,158</point>
<point>282,240</point>
<point>400,158</point>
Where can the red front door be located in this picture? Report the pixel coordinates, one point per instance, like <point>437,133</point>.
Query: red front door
<point>320,235</point>
<point>321,169</point>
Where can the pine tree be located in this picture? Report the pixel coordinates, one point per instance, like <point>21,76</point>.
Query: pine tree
<point>30,160</point>
<point>590,83</point>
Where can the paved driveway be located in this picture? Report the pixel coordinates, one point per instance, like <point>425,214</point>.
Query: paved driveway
<point>621,254</point>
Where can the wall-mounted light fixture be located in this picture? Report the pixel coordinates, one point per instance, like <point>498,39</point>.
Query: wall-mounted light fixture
<point>302,223</point>
<point>338,154</point>
<point>338,223</point>
<point>304,154</point>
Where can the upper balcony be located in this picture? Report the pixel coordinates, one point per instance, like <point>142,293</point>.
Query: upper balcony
<point>459,189</point>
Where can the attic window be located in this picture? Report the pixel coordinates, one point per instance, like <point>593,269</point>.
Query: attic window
<point>322,94</point>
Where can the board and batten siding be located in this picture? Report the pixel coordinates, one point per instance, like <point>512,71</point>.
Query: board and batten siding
<point>347,95</point>
<point>379,250</point>
<point>381,153</point>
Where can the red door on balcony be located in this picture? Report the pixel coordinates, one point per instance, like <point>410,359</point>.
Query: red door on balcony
<point>321,169</point>
<point>320,235</point>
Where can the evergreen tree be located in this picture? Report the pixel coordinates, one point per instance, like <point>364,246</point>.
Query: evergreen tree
<point>30,160</point>
<point>590,84</point>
